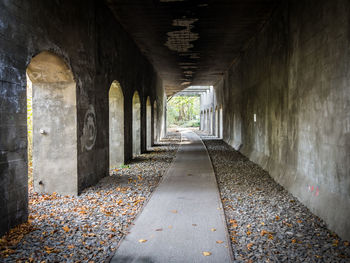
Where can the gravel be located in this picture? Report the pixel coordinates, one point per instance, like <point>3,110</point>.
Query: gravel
<point>88,227</point>
<point>265,222</point>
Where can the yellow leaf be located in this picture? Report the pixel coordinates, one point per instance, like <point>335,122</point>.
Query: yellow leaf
<point>248,232</point>
<point>205,253</point>
<point>299,221</point>
<point>71,246</point>
<point>263,233</point>
<point>66,229</point>
<point>270,236</point>
<point>213,229</point>
<point>249,246</point>
<point>219,241</point>
<point>262,223</point>
<point>248,226</point>
<point>277,218</point>
<point>294,241</point>
<point>142,240</point>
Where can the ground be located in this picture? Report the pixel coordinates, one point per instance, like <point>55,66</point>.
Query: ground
<point>87,228</point>
<point>265,222</point>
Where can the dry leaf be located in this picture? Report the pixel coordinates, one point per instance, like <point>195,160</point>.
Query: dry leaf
<point>174,211</point>
<point>66,229</point>
<point>294,241</point>
<point>270,236</point>
<point>219,241</point>
<point>277,218</point>
<point>213,229</point>
<point>194,224</point>
<point>249,246</point>
<point>206,253</point>
<point>142,240</point>
<point>248,232</point>
<point>263,233</point>
<point>248,226</point>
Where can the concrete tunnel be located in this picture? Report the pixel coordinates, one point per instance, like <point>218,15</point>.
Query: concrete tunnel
<point>273,78</point>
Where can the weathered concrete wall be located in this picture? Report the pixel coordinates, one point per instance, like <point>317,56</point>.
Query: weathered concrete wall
<point>98,51</point>
<point>295,76</point>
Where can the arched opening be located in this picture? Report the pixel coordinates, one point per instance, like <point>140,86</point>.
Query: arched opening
<point>148,124</point>
<point>207,123</point>
<point>116,125</point>
<point>221,124</point>
<point>211,122</point>
<point>155,121</point>
<point>216,122</point>
<point>53,135</point>
<point>136,124</point>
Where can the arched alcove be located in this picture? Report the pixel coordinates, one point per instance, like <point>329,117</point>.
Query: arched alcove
<point>216,122</point>
<point>155,121</point>
<point>148,124</point>
<point>116,125</point>
<point>136,124</point>
<point>211,131</point>
<point>54,118</point>
<point>221,124</point>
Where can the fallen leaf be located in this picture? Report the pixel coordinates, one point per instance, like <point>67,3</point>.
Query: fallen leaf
<point>159,229</point>
<point>194,224</point>
<point>249,246</point>
<point>248,232</point>
<point>142,240</point>
<point>277,218</point>
<point>66,229</point>
<point>263,233</point>
<point>174,211</point>
<point>219,241</point>
<point>206,253</point>
<point>294,241</point>
<point>299,221</point>
<point>262,223</point>
<point>213,229</point>
<point>270,236</point>
<point>346,243</point>
<point>248,226</point>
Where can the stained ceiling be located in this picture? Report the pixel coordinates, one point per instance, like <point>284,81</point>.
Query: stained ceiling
<point>191,42</point>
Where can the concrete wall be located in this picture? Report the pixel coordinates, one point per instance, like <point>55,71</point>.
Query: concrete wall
<point>295,76</point>
<point>98,51</point>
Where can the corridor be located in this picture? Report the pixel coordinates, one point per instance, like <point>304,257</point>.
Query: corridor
<point>94,95</point>
<point>183,221</point>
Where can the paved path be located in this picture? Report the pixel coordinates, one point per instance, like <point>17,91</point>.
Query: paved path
<point>185,208</point>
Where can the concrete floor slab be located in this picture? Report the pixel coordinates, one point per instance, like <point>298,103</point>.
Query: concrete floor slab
<point>184,216</point>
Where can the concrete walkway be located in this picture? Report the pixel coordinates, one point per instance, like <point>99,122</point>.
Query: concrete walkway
<point>184,216</point>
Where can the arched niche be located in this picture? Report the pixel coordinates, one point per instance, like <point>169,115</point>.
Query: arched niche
<point>54,118</point>
<point>136,124</point>
<point>148,124</point>
<point>216,122</point>
<point>221,123</point>
<point>116,125</point>
<point>155,121</point>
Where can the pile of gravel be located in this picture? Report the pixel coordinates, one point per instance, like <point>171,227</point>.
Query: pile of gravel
<point>265,222</point>
<point>87,228</point>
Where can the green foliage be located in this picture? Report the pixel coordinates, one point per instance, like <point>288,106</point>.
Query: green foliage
<point>183,111</point>
<point>124,166</point>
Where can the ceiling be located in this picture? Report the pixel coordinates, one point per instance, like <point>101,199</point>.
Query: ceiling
<point>191,42</point>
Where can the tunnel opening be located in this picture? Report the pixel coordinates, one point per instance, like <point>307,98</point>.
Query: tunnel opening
<point>116,125</point>
<point>148,124</point>
<point>136,124</point>
<point>52,125</point>
<point>183,111</point>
